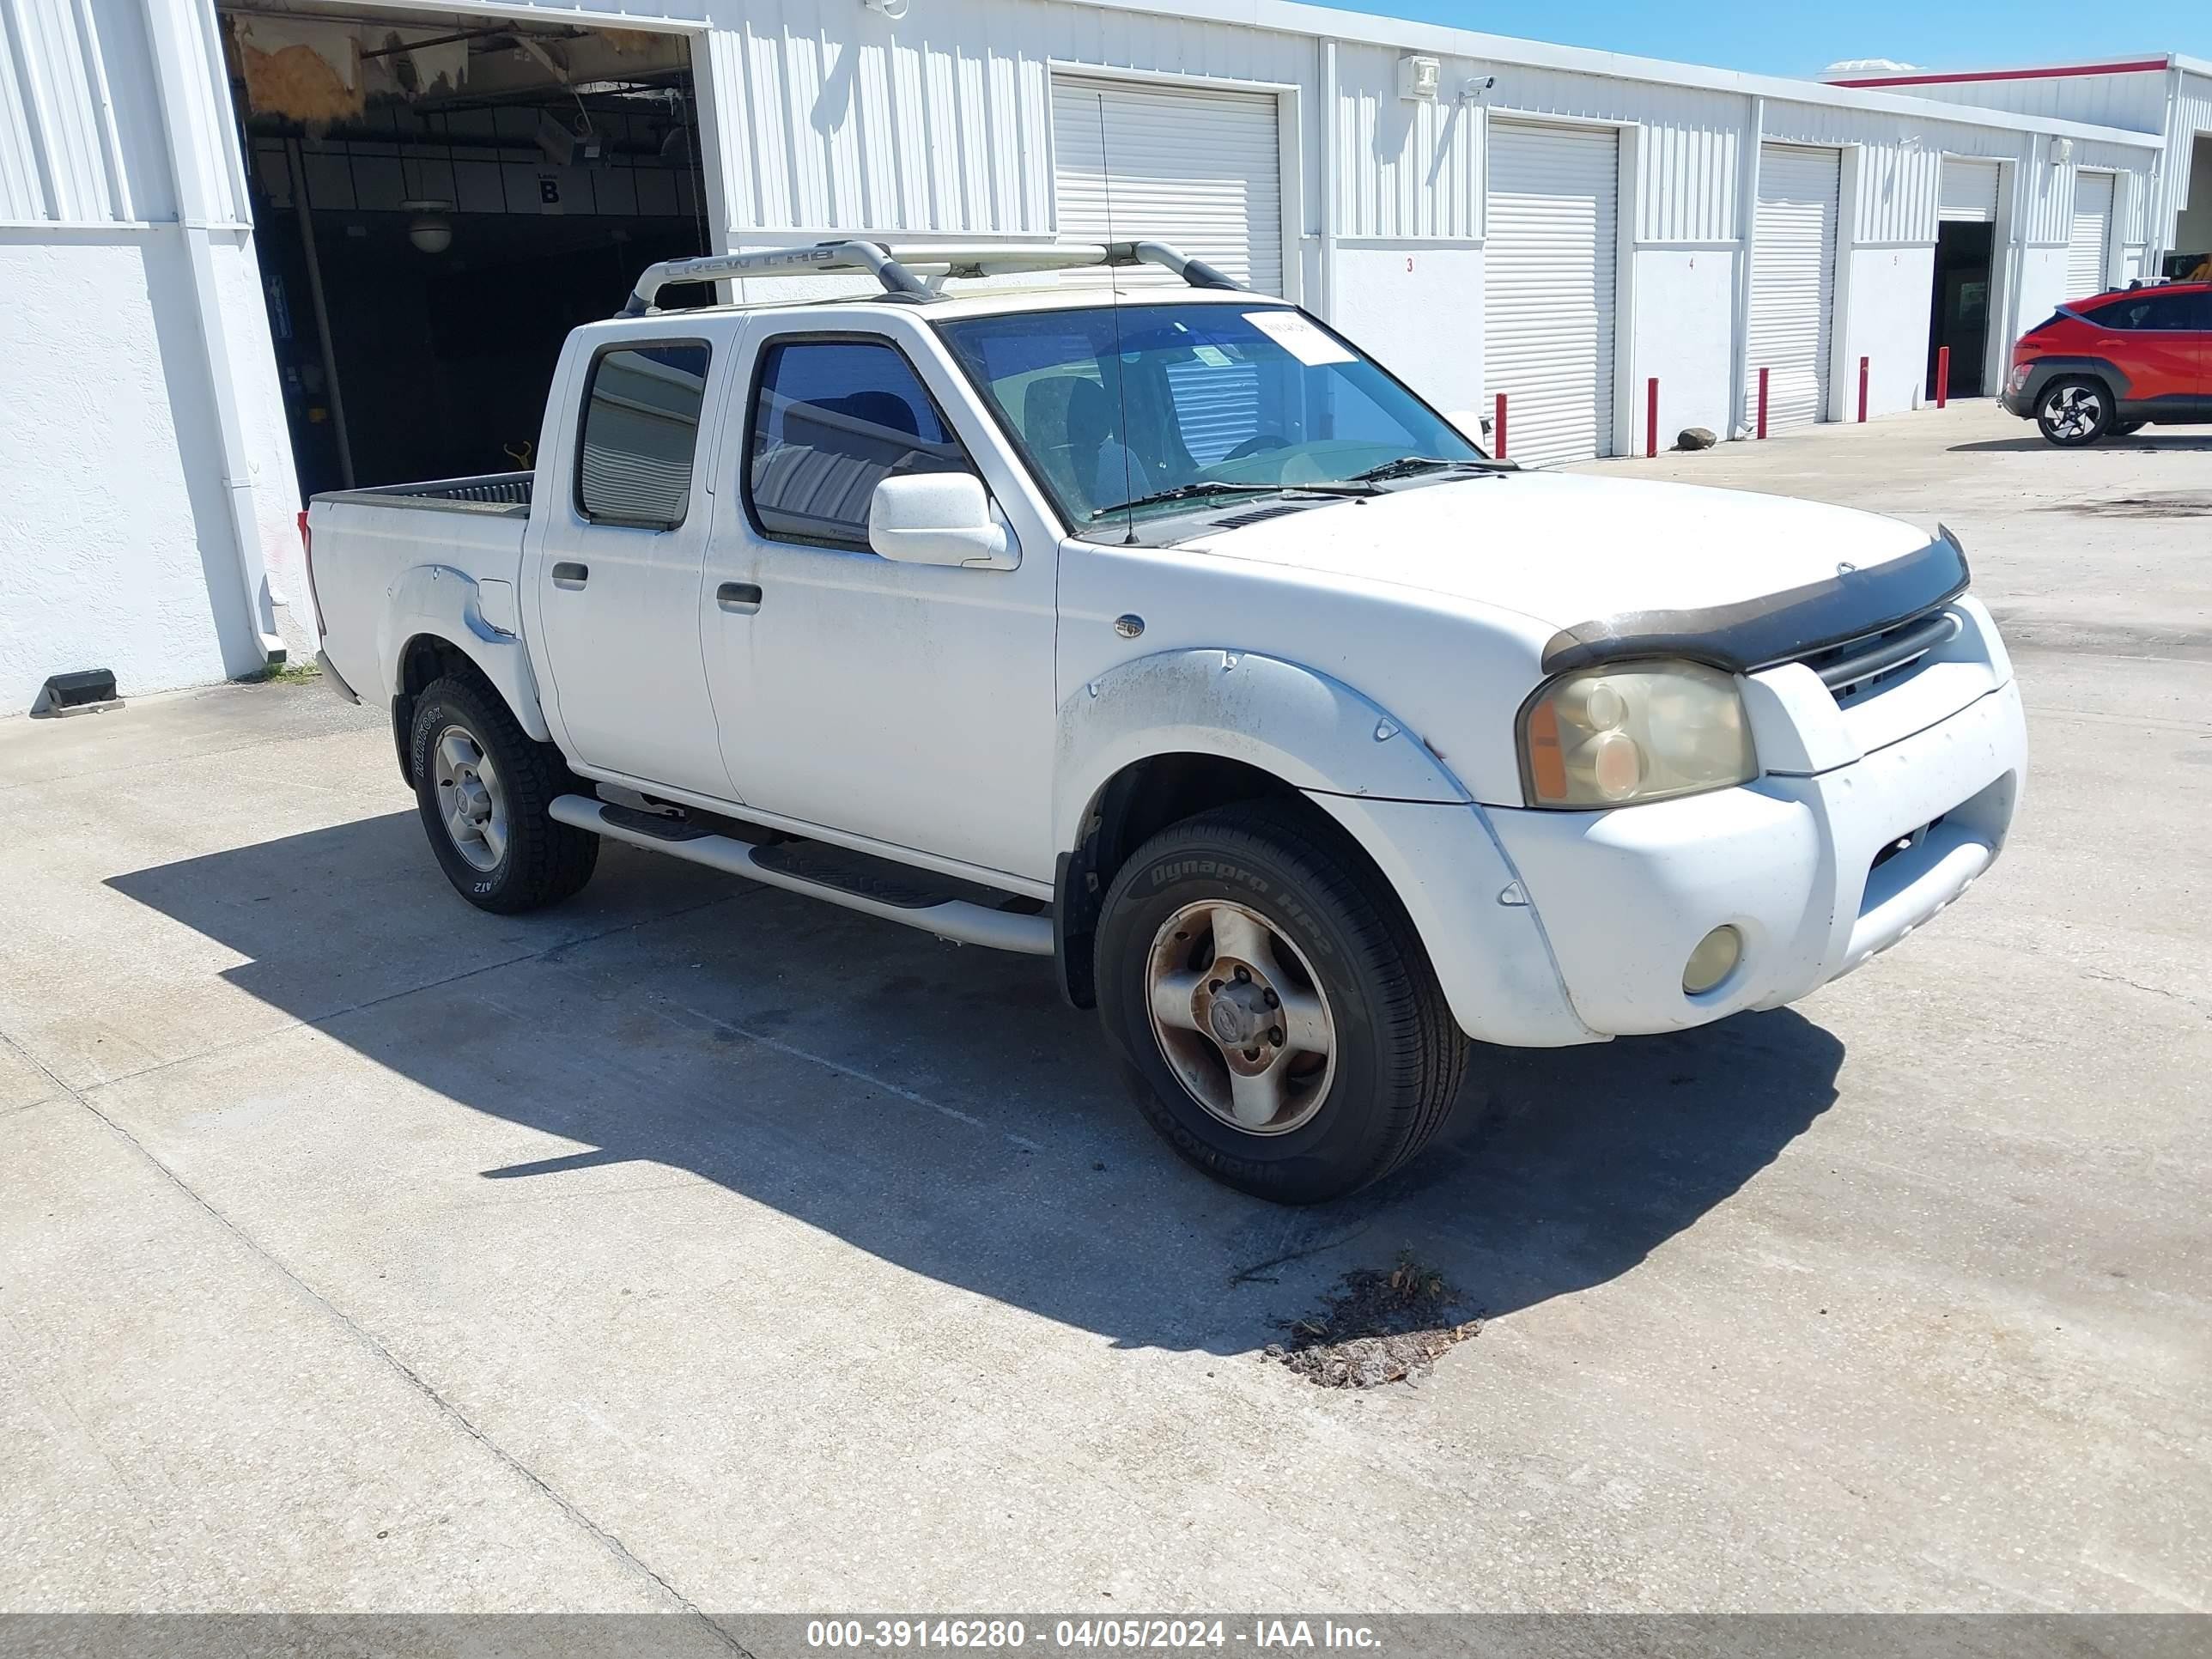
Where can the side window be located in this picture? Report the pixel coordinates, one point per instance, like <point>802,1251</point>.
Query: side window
<point>641,432</point>
<point>2158,313</point>
<point>832,419</point>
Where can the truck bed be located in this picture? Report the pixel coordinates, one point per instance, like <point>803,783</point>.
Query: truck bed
<point>504,493</point>
<point>386,557</point>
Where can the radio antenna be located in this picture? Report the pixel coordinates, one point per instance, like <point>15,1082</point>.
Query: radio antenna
<point>1121,370</point>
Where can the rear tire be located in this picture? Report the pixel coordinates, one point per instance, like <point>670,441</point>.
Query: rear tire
<point>2074,411</point>
<point>482,786</point>
<point>1281,1024</point>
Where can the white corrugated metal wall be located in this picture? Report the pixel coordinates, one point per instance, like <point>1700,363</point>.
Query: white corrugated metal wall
<point>64,159</point>
<point>830,117</point>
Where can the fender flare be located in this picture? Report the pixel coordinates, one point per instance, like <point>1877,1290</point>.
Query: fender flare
<point>1433,843</point>
<point>446,604</point>
<point>1304,727</point>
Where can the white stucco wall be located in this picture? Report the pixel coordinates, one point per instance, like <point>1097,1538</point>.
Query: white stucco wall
<point>1684,319</point>
<point>113,488</point>
<point>2042,286</point>
<point>1417,306</point>
<point>1887,320</point>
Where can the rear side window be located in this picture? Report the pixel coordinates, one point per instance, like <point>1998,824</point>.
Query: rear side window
<point>641,434</point>
<point>2152,314</point>
<point>832,419</point>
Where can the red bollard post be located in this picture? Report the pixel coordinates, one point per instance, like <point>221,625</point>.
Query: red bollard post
<point>1497,428</point>
<point>1651,417</point>
<point>1761,430</point>
<point>1942,376</point>
<point>1863,390</point>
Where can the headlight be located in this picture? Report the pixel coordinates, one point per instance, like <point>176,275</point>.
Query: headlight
<point>1643,730</point>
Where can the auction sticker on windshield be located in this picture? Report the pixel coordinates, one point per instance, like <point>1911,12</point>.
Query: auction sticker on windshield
<point>1298,335</point>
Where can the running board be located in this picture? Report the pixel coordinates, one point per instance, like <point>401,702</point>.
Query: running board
<point>962,920</point>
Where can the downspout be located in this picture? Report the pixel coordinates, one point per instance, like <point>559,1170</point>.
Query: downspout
<point>1747,229</point>
<point>2165,209</point>
<point>195,159</point>
<point>1329,168</point>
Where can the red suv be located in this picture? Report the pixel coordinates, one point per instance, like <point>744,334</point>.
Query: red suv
<point>2115,362</point>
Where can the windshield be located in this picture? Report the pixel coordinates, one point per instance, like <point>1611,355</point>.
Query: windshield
<point>1184,407</point>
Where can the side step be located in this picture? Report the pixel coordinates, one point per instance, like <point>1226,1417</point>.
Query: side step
<point>825,873</point>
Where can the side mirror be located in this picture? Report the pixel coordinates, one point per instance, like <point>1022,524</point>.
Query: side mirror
<point>1475,428</point>
<point>939,517</point>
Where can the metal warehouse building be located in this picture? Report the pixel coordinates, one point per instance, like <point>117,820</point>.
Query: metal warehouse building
<point>254,249</point>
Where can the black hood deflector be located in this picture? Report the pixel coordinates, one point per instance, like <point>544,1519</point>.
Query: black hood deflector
<point>1775,628</point>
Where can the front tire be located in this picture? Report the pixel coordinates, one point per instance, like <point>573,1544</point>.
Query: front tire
<point>2074,412</point>
<point>2125,428</point>
<point>482,786</point>
<point>1284,1030</point>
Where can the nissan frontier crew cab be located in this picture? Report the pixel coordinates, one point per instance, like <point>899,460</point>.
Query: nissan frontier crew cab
<point>1161,631</point>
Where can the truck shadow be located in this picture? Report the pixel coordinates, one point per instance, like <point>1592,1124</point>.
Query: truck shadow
<point>935,1106</point>
<point>2171,442</point>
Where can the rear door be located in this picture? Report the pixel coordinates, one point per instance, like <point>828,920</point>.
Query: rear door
<point>618,554</point>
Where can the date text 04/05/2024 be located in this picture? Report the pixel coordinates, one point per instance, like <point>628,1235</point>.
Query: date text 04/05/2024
<point>1008,1634</point>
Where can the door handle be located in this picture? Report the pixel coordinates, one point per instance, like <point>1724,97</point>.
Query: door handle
<point>740,598</point>
<point>569,573</point>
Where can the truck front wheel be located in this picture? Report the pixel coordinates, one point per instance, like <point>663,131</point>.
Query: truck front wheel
<point>1281,1023</point>
<point>484,786</point>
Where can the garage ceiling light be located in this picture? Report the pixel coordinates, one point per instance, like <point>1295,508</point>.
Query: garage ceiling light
<point>430,230</point>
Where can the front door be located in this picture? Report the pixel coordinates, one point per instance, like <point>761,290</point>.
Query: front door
<point>906,704</point>
<point>617,561</point>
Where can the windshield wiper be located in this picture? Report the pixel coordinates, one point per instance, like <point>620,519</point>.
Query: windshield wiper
<point>1407,466</point>
<point>1185,492</point>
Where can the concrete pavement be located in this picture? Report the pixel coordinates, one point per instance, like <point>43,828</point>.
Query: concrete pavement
<point>697,1246</point>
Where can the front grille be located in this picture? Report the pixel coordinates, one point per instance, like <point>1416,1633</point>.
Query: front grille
<point>1857,668</point>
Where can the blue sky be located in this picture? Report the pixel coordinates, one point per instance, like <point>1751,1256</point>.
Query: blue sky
<point>1802,37</point>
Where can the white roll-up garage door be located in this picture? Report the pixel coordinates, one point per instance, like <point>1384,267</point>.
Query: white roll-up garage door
<point>1970,191</point>
<point>1196,169</point>
<point>2091,235</point>
<point>1549,252</point>
<point>1793,282</point>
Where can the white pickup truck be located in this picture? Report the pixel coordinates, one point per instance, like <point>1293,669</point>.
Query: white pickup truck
<point>1164,633</point>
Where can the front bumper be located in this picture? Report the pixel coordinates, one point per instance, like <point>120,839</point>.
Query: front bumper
<point>1788,861</point>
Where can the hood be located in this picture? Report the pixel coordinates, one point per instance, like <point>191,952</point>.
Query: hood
<point>1566,550</point>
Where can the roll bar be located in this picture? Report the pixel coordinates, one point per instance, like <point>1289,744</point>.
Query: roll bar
<point>897,268</point>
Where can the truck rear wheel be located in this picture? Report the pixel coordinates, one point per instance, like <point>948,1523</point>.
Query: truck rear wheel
<point>1284,1030</point>
<point>484,786</point>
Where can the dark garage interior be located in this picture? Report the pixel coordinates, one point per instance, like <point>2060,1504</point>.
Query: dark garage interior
<point>1960,314</point>
<point>430,233</point>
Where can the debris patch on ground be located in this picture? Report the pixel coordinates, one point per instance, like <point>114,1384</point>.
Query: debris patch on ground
<point>1378,1327</point>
